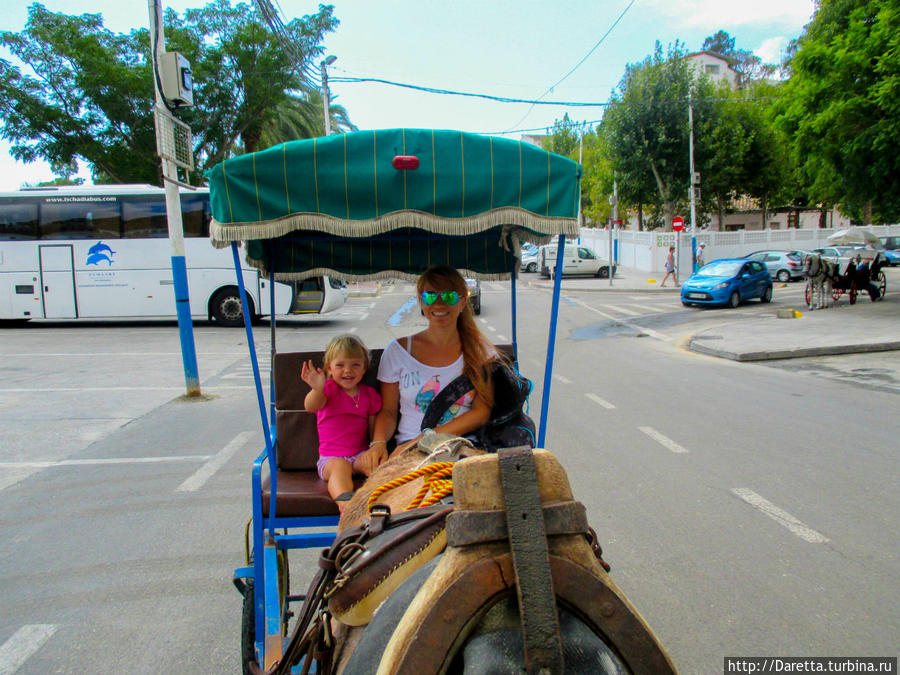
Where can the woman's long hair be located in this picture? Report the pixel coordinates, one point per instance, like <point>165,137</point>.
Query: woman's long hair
<point>477,350</point>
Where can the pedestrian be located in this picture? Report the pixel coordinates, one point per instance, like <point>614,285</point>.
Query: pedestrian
<point>701,255</point>
<point>345,410</point>
<point>670,268</point>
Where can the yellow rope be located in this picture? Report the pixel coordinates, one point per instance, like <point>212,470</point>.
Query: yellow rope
<point>438,481</point>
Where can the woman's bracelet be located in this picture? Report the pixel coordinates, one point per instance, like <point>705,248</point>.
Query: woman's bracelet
<point>377,442</point>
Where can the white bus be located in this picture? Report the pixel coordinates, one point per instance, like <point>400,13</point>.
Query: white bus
<point>103,251</point>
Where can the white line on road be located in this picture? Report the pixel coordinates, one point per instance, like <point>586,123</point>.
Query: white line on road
<point>56,390</point>
<point>622,310</point>
<point>562,378</point>
<point>602,402</point>
<point>22,644</point>
<point>205,472</point>
<point>503,339</point>
<point>780,516</point>
<point>648,308</point>
<point>647,331</point>
<point>100,461</point>
<point>665,441</point>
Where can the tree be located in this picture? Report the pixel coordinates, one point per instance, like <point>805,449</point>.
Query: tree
<point>646,125</point>
<point>843,107</point>
<point>90,96</point>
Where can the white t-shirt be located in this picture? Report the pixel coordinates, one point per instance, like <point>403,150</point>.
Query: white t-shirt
<point>419,384</point>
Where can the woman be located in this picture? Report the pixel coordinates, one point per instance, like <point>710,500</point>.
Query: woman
<point>415,368</point>
<point>670,267</point>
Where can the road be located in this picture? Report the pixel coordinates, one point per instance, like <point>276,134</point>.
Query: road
<point>746,509</point>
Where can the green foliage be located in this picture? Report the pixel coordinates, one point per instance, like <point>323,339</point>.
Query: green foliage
<point>646,130</point>
<point>843,107</point>
<point>86,93</point>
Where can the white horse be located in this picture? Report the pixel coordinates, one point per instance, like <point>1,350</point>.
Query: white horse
<point>819,275</point>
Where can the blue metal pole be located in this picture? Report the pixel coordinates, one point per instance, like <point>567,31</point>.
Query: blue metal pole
<point>272,337</point>
<point>512,282</point>
<point>551,340</point>
<point>185,325</point>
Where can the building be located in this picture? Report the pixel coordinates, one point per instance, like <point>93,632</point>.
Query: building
<point>715,67</point>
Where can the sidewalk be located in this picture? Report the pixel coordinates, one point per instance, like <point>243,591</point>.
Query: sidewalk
<point>626,279</point>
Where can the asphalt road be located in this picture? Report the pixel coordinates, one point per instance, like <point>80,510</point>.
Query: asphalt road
<point>746,510</point>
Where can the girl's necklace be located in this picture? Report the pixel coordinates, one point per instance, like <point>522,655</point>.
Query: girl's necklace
<point>355,400</point>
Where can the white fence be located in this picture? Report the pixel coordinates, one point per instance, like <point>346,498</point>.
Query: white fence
<point>647,250</point>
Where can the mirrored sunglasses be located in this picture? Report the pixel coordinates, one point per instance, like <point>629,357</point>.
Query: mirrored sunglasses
<point>447,297</point>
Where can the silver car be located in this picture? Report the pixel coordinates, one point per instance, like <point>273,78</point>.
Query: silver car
<point>782,265</point>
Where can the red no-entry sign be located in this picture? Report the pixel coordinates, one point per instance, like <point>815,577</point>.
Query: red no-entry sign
<point>678,223</point>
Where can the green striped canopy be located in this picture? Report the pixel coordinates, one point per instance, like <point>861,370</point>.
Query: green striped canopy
<point>337,206</point>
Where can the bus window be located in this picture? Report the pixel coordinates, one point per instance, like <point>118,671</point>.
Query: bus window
<point>195,215</point>
<point>71,218</point>
<point>144,217</point>
<point>18,221</point>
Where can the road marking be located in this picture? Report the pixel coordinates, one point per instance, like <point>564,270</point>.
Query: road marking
<point>562,378</point>
<point>100,461</point>
<point>647,331</point>
<point>647,308</point>
<point>665,441</point>
<point>617,308</point>
<point>602,402</point>
<point>502,338</point>
<point>492,329</point>
<point>780,516</point>
<point>205,472</point>
<point>23,643</point>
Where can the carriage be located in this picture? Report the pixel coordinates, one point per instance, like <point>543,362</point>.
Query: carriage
<point>858,271</point>
<point>509,544</point>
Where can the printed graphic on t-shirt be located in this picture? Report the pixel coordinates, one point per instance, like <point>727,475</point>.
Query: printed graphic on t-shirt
<point>427,393</point>
<point>453,410</point>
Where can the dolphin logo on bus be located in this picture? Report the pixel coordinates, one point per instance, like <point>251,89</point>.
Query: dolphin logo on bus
<point>97,254</point>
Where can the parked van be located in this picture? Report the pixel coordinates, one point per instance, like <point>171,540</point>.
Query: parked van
<point>577,260</point>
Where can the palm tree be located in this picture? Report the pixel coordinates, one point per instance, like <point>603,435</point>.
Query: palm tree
<point>300,116</point>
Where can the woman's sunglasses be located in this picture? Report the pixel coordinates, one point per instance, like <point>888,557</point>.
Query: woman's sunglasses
<point>448,297</point>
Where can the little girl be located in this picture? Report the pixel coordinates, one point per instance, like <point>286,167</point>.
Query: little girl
<point>345,411</point>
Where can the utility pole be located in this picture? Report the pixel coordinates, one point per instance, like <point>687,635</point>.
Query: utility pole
<point>615,219</point>
<point>168,135</point>
<point>325,96</point>
<point>694,181</point>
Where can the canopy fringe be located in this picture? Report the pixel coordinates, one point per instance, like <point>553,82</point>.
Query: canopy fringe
<point>539,228</point>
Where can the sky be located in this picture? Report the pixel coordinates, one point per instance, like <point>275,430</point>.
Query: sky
<point>510,48</point>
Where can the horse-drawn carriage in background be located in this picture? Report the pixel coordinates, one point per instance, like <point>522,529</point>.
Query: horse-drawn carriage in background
<point>504,569</point>
<point>832,272</point>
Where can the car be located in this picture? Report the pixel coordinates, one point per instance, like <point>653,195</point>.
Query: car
<point>891,243</point>
<point>529,259</point>
<point>576,260</point>
<point>474,294</point>
<point>729,281</point>
<point>783,265</point>
<point>893,257</point>
<point>835,252</point>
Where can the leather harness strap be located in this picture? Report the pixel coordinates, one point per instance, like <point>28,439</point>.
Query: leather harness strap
<point>528,545</point>
<point>466,528</point>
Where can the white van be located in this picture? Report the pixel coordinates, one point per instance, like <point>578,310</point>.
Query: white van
<point>577,260</point>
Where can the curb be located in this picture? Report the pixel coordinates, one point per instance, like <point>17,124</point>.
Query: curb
<point>796,353</point>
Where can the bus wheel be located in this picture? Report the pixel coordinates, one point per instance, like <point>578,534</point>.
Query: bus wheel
<point>226,307</point>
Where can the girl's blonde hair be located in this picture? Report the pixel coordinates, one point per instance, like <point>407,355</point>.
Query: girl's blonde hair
<point>477,350</point>
<point>347,344</point>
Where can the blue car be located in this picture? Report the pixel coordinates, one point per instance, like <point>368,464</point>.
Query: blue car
<point>893,257</point>
<point>728,281</point>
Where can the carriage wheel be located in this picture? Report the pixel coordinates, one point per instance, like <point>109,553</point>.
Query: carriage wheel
<point>853,292</point>
<point>882,284</point>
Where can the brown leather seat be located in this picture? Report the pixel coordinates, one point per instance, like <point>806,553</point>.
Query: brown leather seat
<point>300,491</point>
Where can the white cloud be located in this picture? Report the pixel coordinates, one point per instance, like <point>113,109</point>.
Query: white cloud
<point>794,13</point>
<point>772,49</point>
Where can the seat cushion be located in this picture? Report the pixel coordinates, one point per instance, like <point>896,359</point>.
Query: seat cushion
<point>301,493</point>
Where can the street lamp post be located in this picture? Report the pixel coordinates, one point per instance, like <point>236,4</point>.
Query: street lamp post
<point>325,98</point>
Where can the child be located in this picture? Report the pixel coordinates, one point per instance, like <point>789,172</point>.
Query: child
<point>345,411</point>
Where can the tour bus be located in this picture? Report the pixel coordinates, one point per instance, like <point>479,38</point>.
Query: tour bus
<point>102,251</point>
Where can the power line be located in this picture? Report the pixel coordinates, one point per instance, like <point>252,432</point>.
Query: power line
<point>500,99</point>
<point>578,65</point>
